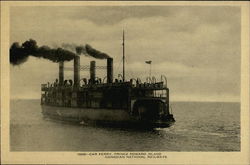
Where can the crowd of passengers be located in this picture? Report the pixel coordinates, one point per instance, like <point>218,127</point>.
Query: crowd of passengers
<point>84,81</point>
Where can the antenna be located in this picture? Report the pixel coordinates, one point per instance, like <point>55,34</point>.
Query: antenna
<point>123,56</point>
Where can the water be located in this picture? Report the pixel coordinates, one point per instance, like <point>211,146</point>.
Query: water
<point>199,127</point>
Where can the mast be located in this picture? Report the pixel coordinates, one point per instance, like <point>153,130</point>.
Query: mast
<point>123,56</point>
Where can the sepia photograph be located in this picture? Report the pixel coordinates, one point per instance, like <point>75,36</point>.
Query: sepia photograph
<point>125,79</point>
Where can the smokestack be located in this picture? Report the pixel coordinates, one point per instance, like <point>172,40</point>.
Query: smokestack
<point>109,70</point>
<point>61,73</point>
<point>92,72</point>
<point>76,71</point>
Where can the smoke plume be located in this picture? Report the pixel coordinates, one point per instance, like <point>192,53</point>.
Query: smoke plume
<point>80,50</point>
<point>95,53</point>
<point>20,54</point>
<point>87,50</point>
<point>69,46</point>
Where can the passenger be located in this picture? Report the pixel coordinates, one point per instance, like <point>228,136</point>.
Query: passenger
<point>137,81</point>
<point>81,82</point>
<point>65,83</point>
<point>85,81</point>
<point>70,82</point>
<point>56,83</point>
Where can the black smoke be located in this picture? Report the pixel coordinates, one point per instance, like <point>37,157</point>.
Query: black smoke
<point>20,53</point>
<point>80,50</point>
<point>95,53</point>
<point>87,50</point>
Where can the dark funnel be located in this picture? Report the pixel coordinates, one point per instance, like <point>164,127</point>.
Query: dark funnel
<point>61,73</point>
<point>76,71</point>
<point>109,70</point>
<point>92,72</point>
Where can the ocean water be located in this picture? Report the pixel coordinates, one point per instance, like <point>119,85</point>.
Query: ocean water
<point>199,126</point>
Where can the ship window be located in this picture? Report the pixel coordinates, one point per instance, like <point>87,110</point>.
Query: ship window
<point>160,93</point>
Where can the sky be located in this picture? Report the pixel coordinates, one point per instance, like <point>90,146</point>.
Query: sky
<point>196,47</point>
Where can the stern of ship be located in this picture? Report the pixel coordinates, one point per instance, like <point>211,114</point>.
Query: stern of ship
<point>153,112</point>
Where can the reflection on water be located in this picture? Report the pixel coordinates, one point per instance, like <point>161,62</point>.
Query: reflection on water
<point>198,127</point>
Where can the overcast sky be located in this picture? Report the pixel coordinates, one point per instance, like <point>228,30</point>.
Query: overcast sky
<point>197,48</point>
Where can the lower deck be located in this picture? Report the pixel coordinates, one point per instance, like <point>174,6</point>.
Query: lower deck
<point>117,117</point>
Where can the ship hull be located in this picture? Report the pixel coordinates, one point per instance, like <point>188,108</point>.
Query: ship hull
<point>109,117</point>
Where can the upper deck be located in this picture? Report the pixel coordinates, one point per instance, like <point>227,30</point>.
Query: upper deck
<point>97,93</point>
<point>103,95</point>
<point>138,87</point>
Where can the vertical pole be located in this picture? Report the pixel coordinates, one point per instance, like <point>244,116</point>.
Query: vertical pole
<point>123,57</point>
<point>92,72</point>
<point>150,71</point>
<point>109,70</point>
<point>61,73</point>
<point>76,71</point>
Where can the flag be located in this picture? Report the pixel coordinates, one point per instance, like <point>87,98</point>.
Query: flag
<point>148,62</point>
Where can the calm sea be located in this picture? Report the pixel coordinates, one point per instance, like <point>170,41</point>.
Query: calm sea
<point>199,126</point>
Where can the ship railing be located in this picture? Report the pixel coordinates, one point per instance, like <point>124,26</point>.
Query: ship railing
<point>152,80</point>
<point>44,87</point>
<point>149,97</point>
<point>69,88</point>
<point>52,88</point>
<point>115,84</point>
<point>150,85</point>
